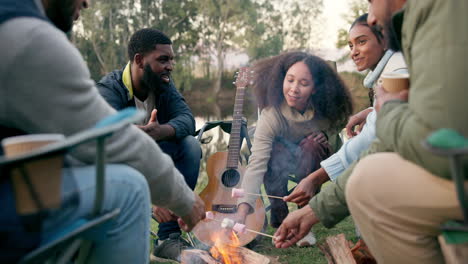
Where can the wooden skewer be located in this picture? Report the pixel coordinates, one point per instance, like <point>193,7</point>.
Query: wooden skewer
<point>271,196</point>
<point>260,233</point>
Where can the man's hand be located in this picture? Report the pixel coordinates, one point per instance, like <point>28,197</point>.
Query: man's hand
<point>383,96</point>
<point>155,130</point>
<point>163,215</point>
<point>357,122</point>
<point>295,227</point>
<point>307,187</point>
<point>187,222</point>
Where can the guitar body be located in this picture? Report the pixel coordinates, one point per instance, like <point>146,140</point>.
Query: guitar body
<point>218,199</point>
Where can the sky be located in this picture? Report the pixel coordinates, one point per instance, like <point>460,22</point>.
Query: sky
<point>333,12</point>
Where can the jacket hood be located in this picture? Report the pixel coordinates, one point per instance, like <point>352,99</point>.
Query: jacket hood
<point>10,9</point>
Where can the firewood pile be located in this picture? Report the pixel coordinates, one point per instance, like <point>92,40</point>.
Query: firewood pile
<point>338,250</point>
<point>233,255</point>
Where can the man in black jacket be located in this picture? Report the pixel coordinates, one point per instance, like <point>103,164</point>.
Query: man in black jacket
<point>145,82</point>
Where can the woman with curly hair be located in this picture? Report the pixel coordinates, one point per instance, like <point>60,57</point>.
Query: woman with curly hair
<point>304,104</point>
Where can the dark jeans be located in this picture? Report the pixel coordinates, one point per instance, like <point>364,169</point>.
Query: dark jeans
<point>186,154</point>
<point>288,158</point>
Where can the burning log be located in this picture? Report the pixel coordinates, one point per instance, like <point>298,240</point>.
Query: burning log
<point>240,254</point>
<point>197,256</point>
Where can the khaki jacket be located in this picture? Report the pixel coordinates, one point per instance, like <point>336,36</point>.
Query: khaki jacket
<point>283,122</point>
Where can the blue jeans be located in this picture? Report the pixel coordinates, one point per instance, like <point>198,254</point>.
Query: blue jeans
<point>125,188</point>
<point>186,154</point>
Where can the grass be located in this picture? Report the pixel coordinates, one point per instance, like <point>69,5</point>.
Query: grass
<point>312,255</point>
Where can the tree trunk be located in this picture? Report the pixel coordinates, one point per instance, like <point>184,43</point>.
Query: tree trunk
<point>220,58</point>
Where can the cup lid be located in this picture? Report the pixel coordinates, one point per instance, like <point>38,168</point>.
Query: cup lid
<point>395,75</point>
<point>32,137</point>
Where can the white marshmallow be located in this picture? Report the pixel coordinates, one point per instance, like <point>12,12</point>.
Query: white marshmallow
<point>240,228</point>
<point>237,193</point>
<point>227,223</point>
<point>209,215</point>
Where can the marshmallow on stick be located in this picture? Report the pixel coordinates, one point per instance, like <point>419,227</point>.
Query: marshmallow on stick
<point>209,215</point>
<point>239,193</point>
<point>240,228</point>
<point>227,223</point>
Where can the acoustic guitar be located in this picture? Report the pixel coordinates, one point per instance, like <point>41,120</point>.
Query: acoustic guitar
<point>225,173</point>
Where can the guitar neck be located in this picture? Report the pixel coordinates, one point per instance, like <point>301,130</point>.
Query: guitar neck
<point>235,138</point>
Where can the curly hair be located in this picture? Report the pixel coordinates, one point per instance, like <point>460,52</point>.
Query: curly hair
<point>332,100</point>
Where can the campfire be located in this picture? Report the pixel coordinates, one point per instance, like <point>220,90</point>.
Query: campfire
<point>226,250</point>
<point>225,247</point>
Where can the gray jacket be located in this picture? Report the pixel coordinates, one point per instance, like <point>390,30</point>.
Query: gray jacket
<point>45,87</point>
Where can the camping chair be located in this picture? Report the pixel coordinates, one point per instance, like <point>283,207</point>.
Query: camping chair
<point>451,144</point>
<point>61,246</point>
<point>226,127</point>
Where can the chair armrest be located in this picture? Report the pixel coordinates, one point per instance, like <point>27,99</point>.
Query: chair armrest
<point>104,128</point>
<point>449,143</point>
<point>446,142</point>
<point>226,126</point>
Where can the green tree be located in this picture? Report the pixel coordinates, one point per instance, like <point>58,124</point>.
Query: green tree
<point>301,22</point>
<point>105,29</point>
<point>357,8</point>
<point>225,24</point>
<point>263,39</point>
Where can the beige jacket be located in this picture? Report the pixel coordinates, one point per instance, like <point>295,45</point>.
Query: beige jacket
<point>283,122</point>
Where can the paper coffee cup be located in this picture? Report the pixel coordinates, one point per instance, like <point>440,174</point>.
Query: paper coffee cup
<point>44,174</point>
<point>395,82</point>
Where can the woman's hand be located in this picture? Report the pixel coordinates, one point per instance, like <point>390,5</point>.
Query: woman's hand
<point>358,120</point>
<point>318,137</point>
<point>296,226</point>
<point>302,193</point>
<point>242,212</point>
<point>307,188</point>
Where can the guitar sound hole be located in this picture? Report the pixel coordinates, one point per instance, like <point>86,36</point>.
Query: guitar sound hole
<point>230,178</point>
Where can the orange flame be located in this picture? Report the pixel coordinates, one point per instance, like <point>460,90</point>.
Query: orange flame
<point>225,247</point>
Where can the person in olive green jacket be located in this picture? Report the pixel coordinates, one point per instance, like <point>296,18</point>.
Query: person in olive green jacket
<point>399,198</point>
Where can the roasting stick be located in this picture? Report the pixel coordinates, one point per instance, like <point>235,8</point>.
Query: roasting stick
<point>229,223</point>
<point>265,195</point>
<point>238,193</point>
<point>260,233</point>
